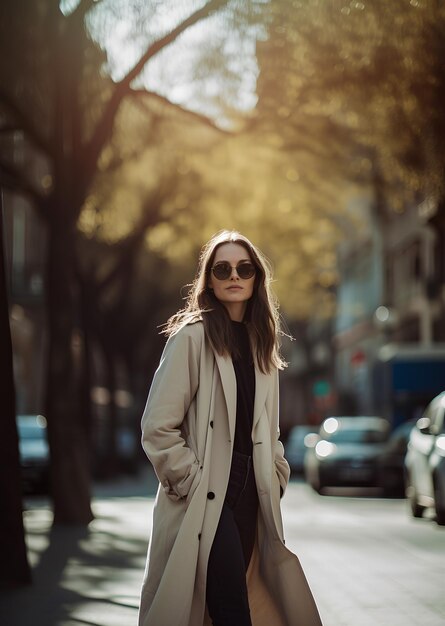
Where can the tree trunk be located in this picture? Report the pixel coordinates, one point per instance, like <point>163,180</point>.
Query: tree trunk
<point>111,455</point>
<point>67,431</point>
<point>14,566</point>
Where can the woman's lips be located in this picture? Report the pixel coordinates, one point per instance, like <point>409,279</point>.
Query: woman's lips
<point>234,288</point>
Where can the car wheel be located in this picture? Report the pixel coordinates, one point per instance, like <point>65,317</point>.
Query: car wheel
<point>416,508</point>
<point>440,512</point>
<point>393,492</point>
<point>315,485</point>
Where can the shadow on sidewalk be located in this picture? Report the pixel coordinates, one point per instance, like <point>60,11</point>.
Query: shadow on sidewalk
<point>46,601</point>
<point>85,576</point>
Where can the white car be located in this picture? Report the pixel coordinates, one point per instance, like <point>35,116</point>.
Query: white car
<point>425,462</point>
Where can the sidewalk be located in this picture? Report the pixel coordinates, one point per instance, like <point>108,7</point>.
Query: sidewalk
<point>86,577</point>
<point>368,562</point>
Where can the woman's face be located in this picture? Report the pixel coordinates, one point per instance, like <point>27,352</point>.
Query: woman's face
<point>234,292</point>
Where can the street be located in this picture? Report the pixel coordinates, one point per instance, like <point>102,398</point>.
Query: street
<point>367,561</point>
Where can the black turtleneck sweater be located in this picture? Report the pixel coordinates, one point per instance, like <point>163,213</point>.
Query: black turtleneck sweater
<point>245,389</point>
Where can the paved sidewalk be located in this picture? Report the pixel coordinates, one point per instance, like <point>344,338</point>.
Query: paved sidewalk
<point>368,562</point>
<point>86,577</point>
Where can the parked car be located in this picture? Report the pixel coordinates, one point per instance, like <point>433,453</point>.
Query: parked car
<point>347,452</point>
<point>425,462</point>
<point>296,446</point>
<point>123,454</point>
<point>128,449</point>
<point>34,453</point>
<point>391,462</point>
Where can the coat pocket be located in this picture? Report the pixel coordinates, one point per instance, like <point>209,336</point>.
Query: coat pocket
<point>195,484</point>
<point>180,489</point>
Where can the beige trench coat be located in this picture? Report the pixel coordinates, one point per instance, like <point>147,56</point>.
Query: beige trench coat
<point>188,429</point>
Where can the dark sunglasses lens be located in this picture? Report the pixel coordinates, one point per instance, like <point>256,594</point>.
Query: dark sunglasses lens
<point>222,271</point>
<point>245,270</point>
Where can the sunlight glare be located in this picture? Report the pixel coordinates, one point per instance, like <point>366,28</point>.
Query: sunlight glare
<point>177,72</point>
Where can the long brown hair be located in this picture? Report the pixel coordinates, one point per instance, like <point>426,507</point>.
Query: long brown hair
<point>261,316</point>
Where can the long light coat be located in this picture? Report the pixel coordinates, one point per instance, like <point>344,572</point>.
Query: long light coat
<point>188,431</point>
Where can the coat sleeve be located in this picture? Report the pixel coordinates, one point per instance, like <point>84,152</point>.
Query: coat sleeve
<point>281,465</point>
<point>174,385</point>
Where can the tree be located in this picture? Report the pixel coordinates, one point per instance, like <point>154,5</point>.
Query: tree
<point>222,180</point>
<point>365,82</point>
<point>14,566</point>
<point>55,97</point>
<point>119,306</point>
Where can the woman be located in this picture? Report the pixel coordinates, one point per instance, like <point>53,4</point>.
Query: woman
<point>210,429</point>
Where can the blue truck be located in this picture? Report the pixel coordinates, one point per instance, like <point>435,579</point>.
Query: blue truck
<point>406,378</point>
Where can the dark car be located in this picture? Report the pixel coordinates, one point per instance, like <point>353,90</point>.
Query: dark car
<point>425,462</point>
<point>392,461</point>
<point>128,449</point>
<point>346,453</point>
<point>296,446</point>
<point>34,453</point>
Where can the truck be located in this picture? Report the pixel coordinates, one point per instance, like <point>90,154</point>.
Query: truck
<point>406,377</point>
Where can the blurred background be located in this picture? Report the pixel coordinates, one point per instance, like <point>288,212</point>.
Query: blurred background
<point>130,132</point>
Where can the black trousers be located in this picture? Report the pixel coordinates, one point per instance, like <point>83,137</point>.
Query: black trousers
<point>232,547</point>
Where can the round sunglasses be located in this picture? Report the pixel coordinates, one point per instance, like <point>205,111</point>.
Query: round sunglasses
<point>223,270</point>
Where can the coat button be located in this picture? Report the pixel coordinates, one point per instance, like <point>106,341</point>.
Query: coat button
<point>210,495</point>
<point>211,424</point>
<point>199,536</point>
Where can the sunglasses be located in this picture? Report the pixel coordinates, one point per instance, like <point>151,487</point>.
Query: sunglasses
<point>223,270</point>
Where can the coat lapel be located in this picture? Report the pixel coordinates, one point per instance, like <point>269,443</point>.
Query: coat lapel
<point>262,382</point>
<point>228,381</point>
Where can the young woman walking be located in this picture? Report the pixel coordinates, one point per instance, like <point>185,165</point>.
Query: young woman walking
<point>210,429</point>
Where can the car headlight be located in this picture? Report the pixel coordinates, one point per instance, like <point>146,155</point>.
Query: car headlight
<point>440,445</point>
<point>324,448</point>
<point>330,425</point>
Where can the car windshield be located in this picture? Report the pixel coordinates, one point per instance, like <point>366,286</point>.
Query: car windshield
<point>357,435</point>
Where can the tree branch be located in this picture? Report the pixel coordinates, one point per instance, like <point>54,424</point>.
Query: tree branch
<point>129,246</point>
<point>199,117</point>
<point>157,46</point>
<point>82,9</point>
<point>104,126</point>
